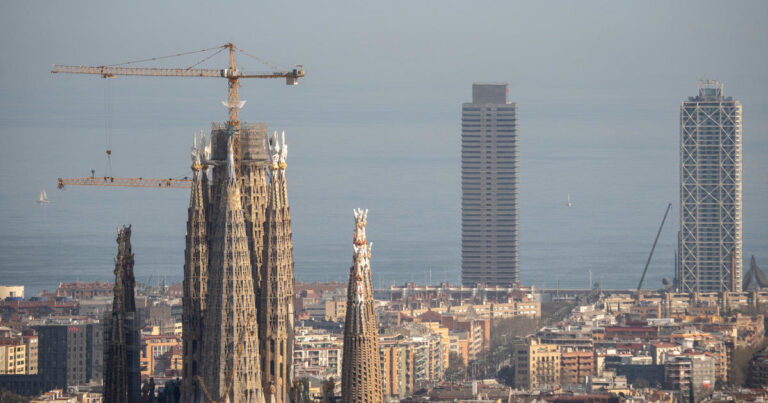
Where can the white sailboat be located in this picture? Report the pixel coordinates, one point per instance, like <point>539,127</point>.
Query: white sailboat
<point>43,197</point>
<point>569,204</point>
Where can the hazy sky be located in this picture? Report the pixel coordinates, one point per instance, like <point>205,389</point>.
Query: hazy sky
<point>384,86</point>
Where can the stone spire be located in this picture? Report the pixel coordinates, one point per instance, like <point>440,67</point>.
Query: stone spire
<point>230,355</point>
<point>276,307</point>
<point>195,271</point>
<point>361,368</point>
<point>253,184</point>
<point>121,335</point>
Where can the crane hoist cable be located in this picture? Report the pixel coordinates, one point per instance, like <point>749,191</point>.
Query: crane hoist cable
<point>108,112</point>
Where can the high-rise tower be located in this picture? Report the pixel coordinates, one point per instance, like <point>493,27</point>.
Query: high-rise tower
<point>709,244</point>
<point>122,377</point>
<point>276,307</point>
<point>195,271</point>
<point>361,366</point>
<point>489,186</point>
<point>230,354</point>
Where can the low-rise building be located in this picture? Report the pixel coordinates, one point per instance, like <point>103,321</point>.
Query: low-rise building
<point>82,291</point>
<point>690,375</point>
<point>153,348</point>
<point>13,356</point>
<point>536,364</point>
<point>576,366</point>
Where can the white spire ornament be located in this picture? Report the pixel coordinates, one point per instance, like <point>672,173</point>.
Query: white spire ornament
<point>278,154</point>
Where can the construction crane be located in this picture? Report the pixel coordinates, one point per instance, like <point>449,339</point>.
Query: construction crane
<point>640,285</point>
<point>127,182</point>
<point>231,73</point>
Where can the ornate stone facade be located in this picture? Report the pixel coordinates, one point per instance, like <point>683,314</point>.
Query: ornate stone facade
<point>222,237</point>
<point>121,335</point>
<point>276,307</point>
<point>195,272</point>
<point>230,354</point>
<point>361,367</point>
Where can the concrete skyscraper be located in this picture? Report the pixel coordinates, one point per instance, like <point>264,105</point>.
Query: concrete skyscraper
<point>276,306</point>
<point>361,365</point>
<point>709,245</point>
<point>489,186</point>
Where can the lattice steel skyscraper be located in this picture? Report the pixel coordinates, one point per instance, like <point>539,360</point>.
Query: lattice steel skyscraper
<point>489,186</point>
<point>710,191</point>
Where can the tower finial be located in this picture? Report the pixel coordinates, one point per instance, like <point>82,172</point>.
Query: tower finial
<point>200,152</point>
<point>277,153</point>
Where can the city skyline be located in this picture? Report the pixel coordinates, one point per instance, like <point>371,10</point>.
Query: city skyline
<point>515,158</point>
<point>579,123</point>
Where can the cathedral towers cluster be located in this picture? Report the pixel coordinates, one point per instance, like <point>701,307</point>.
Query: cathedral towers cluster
<point>238,271</point>
<point>238,317</point>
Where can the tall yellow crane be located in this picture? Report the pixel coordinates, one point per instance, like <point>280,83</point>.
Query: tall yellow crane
<point>231,73</point>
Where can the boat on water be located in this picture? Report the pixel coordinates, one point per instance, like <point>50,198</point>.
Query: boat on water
<point>43,197</point>
<point>569,203</point>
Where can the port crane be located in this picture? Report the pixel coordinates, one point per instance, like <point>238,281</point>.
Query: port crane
<point>655,241</point>
<point>231,73</point>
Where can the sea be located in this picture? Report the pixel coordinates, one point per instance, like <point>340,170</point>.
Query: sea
<point>398,157</point>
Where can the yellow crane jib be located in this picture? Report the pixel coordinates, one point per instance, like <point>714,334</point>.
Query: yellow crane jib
<point>126,182</point>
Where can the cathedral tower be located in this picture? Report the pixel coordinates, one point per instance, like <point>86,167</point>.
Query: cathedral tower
<point>253,185</point>
<point>361,367</point>
<point>121,335</point>
<point>230,352</point>
<point>276,307</point>
<point>195,271</point>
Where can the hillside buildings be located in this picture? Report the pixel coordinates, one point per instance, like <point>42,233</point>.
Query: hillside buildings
<point>710,192</point>
<point>489,186</point>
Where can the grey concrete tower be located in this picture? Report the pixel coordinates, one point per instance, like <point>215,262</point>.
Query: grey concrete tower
<point>361,366</point>
<point>122,376</point>
<point>276,307</point>
<point>709,245</point>
<point>230,355</point>
<point>195,272</point>
<point>489,187</point>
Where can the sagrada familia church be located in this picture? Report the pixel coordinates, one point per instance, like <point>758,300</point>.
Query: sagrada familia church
<point>238,314</point>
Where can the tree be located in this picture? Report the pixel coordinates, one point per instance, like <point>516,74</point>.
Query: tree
<point>506,376</point>
<point>328,390</point>
<point>456,370</point>
<point>7,396</point>
<point>740,360</point>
